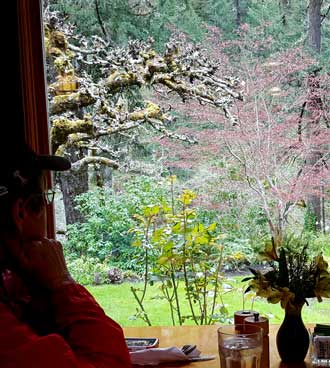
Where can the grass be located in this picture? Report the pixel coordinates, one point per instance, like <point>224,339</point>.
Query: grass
<point>118,303</point>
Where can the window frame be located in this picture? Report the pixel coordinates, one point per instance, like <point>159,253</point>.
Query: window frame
<point>32,83</point>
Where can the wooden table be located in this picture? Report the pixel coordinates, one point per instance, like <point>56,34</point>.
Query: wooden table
<point>205,337</point>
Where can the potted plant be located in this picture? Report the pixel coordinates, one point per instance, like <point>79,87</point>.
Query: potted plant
<point>294,276</point>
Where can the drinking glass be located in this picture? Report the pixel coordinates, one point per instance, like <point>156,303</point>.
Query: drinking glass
<point>240,346</point>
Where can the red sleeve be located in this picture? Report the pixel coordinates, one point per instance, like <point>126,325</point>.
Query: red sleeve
<point>86,337</point>
<point>20,347</point>
<point>90,333</point>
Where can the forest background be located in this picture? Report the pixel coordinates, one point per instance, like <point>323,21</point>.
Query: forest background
<point>197,129</point>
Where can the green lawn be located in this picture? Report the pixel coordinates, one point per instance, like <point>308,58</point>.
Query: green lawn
<point>119,303</point>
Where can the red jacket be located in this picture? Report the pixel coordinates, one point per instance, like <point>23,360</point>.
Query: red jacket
<point>80,335</point>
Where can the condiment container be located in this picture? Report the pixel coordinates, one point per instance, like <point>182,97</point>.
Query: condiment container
<point>262,322</point>
<point>240,315</point>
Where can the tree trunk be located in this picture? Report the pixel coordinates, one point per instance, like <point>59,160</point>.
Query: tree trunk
<point>73,183</point>
<point>99,19</point>
<point>323,209</point>
<point>285,6</point>
<point>315,103</point>
<point>237,4</point>
<point>314,156</point>
<point>314,25</point>
<point>314,200</point>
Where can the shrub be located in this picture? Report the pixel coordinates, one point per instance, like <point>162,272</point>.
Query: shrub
<point>87,271</point>
<point>115,275</point>
<point>321,243</point>
<point>176,243</point>
<point>131,276</point>
<point>237,254</point>
<point>108,216</point>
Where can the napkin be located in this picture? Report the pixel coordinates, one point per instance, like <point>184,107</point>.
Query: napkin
<point>155,356</point>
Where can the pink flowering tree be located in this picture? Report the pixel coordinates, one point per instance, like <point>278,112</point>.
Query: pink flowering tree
<point>282,122</point>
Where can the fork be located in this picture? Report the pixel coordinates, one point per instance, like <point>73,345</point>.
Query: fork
<point>187,349</point>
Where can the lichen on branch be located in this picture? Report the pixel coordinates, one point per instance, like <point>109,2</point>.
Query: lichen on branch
<point>184,69</point>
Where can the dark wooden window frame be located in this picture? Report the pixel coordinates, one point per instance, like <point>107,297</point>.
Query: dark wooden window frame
<point>33,96</point>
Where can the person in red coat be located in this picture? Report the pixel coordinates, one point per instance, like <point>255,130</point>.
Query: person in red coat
<point>47,320</point>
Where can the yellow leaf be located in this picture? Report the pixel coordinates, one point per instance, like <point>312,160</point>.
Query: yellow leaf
<point>136,243</point>
<point>162,260</point>
<point>150,211</point>
<point>212,227</point>
<point>187,196</point>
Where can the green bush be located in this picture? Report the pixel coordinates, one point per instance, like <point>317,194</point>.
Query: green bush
<point>321,243</point>
<point>88,271</point>
<point>245,234</point>
<point>310,221</point>
<point>108,216</point>
<point>179,247</point>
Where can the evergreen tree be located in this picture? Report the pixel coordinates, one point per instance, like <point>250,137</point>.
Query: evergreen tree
<point>122,20</point>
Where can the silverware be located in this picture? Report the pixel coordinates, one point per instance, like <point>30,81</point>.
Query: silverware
<point>187,349</point>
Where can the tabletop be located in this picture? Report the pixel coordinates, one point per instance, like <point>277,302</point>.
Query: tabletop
<point>205,337</point>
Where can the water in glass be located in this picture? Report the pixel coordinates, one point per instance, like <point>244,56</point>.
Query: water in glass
<point>240,352</point>
<point>240,346</point>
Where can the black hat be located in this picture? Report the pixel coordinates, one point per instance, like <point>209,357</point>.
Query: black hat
<point>21,162</point>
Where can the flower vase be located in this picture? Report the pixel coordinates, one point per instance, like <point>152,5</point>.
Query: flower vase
<point>292,338</point>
